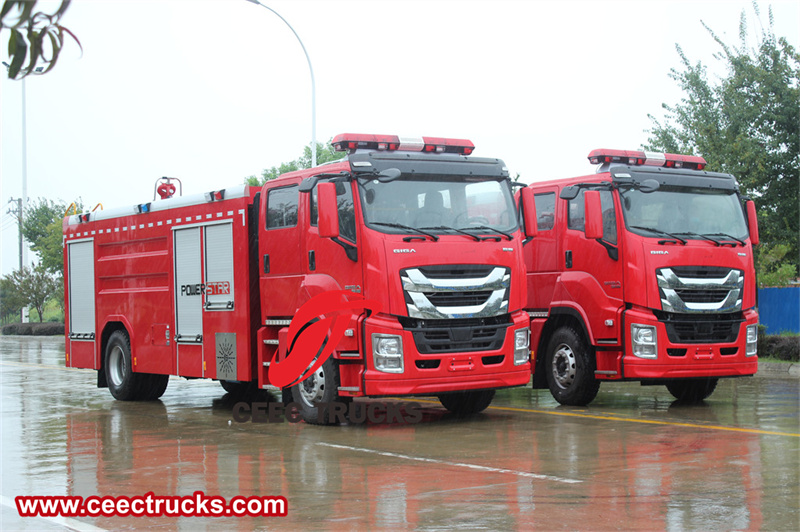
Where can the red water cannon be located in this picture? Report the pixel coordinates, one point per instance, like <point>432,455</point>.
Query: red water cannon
<point>165,188</point>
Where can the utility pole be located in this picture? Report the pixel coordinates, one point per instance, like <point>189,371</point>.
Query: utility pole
<point>18,213</point>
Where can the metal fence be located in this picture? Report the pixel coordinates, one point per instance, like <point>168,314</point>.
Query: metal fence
<point>779,309</point>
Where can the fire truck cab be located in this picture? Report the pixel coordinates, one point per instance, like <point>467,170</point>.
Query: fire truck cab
<point>641,272</point>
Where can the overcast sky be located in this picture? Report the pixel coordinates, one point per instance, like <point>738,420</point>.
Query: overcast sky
<point>213,91</point>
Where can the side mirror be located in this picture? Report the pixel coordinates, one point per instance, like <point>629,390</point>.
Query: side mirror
<point>593,212</point>
<point>570,193</point>
<point>328,211</point>
<point>649,185</point>
<point>752,221</point>
<point>529,213</point>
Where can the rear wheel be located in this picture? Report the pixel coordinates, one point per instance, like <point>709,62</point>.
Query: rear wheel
<point>318,388</point>
<point>692,390</point>
<point>123,383</point>
<point>570,368</point>
<point>153,386</point>
<point>239,388</point>
<point>465,404</point>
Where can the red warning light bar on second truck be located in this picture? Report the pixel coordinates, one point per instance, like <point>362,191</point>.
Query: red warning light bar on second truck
<point>647,158</point>
<point>354,141</point>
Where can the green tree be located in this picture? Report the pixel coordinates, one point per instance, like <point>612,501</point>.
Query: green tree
<point>746,124</point>
<point>325,154</point>
<point>11,300</point>
<point>41,227</point>
<point>35,37</point>
<point>34,287</point>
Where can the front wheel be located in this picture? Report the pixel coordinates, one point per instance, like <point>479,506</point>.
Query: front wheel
<point>692,390</point>
<point>464,404</point>
<point>320,390</point>
<point>570,368</point>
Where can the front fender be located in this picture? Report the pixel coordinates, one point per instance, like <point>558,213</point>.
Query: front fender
<point>584,294</point>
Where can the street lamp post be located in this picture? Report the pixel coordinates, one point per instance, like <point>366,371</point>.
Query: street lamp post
<point>23,202</point>
<point>313,86</point>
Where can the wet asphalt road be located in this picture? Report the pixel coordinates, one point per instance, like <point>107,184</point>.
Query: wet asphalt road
<point>633,459</point>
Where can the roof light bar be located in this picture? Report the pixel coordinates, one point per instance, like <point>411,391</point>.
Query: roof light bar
<point>647,158</point>
<point>351,142</point>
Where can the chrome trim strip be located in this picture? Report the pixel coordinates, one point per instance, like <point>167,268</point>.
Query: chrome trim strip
<point>667,279</point>
<point>416,281</point>
<point>423,308</point>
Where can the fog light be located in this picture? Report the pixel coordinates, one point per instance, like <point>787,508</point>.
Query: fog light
<point>387,353</point>
<point>522,342</point>
<point>644,341</point>
<point>751,349</point>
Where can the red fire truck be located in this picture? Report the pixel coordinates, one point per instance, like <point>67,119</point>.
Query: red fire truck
<point>206,285</point>
<point>643,272</point>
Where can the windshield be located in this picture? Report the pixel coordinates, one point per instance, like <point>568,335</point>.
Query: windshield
<point>685,212</point>
<point>438,204</point>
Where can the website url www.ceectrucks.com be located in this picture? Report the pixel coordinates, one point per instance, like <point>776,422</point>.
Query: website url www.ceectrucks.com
<point>150,505</point>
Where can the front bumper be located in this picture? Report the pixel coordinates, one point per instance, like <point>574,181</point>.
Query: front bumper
<point>434,373</point>
<point>675,359</point>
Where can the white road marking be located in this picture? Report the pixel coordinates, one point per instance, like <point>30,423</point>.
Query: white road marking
<point>474,467</point>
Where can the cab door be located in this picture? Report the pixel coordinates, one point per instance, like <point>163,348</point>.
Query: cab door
<point>594,268</point>
<point>281,250</point>
<point>542,253</point>
<point>340,260</point>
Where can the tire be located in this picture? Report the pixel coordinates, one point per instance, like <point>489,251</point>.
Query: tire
<point>123,383</point>
<point>320,387</point>
<point>692,390</point>
<point>238,388</point>
<point>153,386</point>
<point>464,404</point>
<point>286,396</point>
<point>569,366</point>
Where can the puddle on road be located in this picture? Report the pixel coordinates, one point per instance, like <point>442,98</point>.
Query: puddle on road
<point>504,469</point>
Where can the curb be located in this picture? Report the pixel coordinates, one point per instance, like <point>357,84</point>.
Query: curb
<point>777,369</point>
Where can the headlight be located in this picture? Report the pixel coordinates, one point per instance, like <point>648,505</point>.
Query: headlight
<point>522,352</point>
<point>644,340</point>
<point>387,352</point>
<point>751,349</point>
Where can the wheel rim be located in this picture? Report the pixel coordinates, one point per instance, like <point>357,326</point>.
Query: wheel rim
<point>116,366</point>
<point>312,389</point>
<point>564,366</point>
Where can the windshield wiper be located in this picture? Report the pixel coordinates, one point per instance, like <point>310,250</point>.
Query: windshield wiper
<point>446,228</point>
<point>729,237</point>
<point>675,238</point>
<point>408,228</point>
<point>487,228</point>
<point>714,240</point>
<point>709,237</point>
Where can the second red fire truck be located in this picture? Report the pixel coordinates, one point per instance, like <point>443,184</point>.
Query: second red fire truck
<point>206,285</point>
<point>641,272</point>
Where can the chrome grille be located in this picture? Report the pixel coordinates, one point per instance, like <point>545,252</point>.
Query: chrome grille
<point>700,290</point>
<point>456,291</point>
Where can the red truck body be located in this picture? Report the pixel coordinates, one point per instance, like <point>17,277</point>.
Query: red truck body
<point>207,285</point>
<point>643,271</point>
